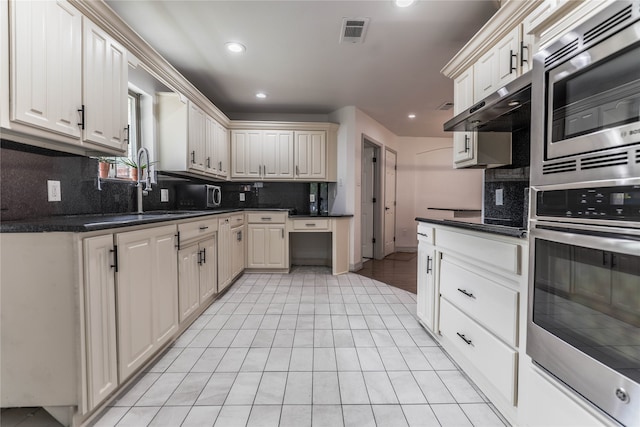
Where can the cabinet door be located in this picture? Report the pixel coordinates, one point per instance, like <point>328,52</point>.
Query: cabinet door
<point>426,298</point>
<point>484,72</point>
<point>246,153</point>
<point>275,246</point>
<point>311,155</point>
<point>208,268</point>
<point>196,139</point>
<point>237,253</point>
<point>46,65</point>
<point>463,91</point>
<point>224,254</point>
<point>100,319</point>
<point>277,154</point>
<point>463,146</point>
<point>211,163</point>
<point>105,74</point>
<point>508,57</point>
<point>188,280</point>
<point>222,150</point>
<point>256,246</point>
<point>165,281</point>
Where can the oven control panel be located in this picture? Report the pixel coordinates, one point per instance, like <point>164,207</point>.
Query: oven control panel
<point>620,203</point>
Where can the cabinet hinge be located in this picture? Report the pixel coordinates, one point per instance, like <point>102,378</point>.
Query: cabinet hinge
<point>373,240</point>
<point>115,258</point>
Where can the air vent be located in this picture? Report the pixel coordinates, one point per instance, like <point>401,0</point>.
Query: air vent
<point>617,19</point>
<point>637,156</point>
<point>561,53</point>
<point>604,161</point>
<point>445,106</point>
<point>353,30</point>
<point>559,167</point>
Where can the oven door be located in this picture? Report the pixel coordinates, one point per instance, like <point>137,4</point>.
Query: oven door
<point>584,312</point>
<point>593,99</point>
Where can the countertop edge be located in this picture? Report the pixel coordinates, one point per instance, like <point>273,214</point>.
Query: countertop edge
<point>485,228</point>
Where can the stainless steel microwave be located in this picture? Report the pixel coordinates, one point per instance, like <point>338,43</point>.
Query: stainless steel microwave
<point>199,196</point>
<point>586,101</point>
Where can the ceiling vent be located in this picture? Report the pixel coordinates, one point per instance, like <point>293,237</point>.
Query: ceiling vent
<point>445,106</point>
<point>353,30</point>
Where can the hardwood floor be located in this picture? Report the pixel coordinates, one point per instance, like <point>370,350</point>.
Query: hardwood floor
<point>398,269</point>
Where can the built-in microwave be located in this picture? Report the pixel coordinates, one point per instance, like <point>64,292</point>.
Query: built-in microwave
<point>586,101</point>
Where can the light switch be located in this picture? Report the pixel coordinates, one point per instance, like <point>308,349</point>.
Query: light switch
<point>242,197</point>
<point>499,197</point>
<point>164,194</point>
<point>312,198</point>
<point>53,191</point>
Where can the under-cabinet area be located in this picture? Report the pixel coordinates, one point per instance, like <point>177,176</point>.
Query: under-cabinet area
<point>106,301</point>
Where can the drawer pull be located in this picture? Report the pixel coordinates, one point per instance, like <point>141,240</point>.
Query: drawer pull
<point>429,265</point>
<point>310,225</point>
<point>204,227</point>
<point>465,339</point>
<point>266,218</point>
<point>467,293</point>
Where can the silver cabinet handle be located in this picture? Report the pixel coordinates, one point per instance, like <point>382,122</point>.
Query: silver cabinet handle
<point>467,293</point>
<point>209,162</point>
<point>429,266</point>
<point>511,67</point>
<point>266,218</point>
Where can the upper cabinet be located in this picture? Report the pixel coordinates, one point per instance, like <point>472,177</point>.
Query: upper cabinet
<point>294,151</point>
<point>498,66</point>
<point>189,140</point>
<point>68,78</point>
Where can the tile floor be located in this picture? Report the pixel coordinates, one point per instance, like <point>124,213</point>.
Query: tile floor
<point>304,349</point>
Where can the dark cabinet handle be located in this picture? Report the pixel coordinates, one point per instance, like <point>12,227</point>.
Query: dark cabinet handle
<point>209,162</point>
<point>467,293</point>
<point>465,339</point>
<point>177,236</point>
<point>81,111</point>
<point>199,257</point>
<point>114,251</point>
<point>511,67</point>
<point>239,237</point>
<point>522,57</point>
<point>613,260</point>
<point>204,255</point>
<point>193,157</point>
<point>128,131</point>
<point>266,218</point>
<point>220,166</point>
<point>311,225</point>
<point>466,143</point>
<point>204,227</point>
<point>429,266</point>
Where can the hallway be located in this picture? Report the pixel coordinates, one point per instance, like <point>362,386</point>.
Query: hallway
<point>398,269</point>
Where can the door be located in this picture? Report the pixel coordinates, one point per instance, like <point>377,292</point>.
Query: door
<point>105,82</point>
<point>197,138</point>
<point>46,65</point>
<point>188,280</point>
<point>277,154</point>
<point>100,318</point>
<point>208,268</point>
<point>389,202</point>
<point>367,199</point>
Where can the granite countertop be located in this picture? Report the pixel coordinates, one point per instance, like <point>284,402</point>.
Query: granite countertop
<point>486,228</point>
<point>96,222</point>
<point>294,216</point>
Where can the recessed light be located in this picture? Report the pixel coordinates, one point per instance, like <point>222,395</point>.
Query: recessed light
<point>261,95</point>
<point>235,47</point>
<point>412,116</point>
<point>404,3</point>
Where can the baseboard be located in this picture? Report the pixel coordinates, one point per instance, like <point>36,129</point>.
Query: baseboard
<point>406,249</point>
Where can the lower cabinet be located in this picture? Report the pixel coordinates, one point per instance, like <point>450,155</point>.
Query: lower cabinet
<point>197,275</point>
<point>237,250</point>
<point>266,242</point>
<point>147,304</point>
<point>426,303</point>
<point>100,318</point>
<point>224,253</point>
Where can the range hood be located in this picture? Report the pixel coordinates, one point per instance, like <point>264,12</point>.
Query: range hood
<point>506,110</point>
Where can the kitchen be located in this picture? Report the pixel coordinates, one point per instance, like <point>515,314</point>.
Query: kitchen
<point>347,255</point>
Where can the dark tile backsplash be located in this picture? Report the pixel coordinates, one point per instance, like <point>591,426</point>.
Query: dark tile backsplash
<point>24,171</point>
<point>514,182</point>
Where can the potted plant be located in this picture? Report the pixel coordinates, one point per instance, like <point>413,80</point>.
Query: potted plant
<point>133,167</point>
<point>104,166</point>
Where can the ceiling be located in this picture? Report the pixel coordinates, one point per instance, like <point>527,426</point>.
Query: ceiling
<point>293,54</point>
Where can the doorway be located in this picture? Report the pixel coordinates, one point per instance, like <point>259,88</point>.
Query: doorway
<point>390,160</point>
<point>370,195</point>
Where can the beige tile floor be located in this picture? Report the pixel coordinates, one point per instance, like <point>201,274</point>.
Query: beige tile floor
<point>304,349</point>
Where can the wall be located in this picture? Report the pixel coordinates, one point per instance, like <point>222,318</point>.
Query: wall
<point>426,179</point>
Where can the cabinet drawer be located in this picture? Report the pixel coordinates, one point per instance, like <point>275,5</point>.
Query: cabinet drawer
<point>425,233</point>
<point>195,229</point>
<point>491,304</point>
<point>267,217</point>
<point>311,224</point>
<point>494,359</point>
<point>236,220</point>
<point>490,253</point>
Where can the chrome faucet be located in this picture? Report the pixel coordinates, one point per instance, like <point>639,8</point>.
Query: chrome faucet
<point>147,180</point>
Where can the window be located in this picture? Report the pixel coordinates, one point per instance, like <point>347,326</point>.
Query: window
<point>133,114</point>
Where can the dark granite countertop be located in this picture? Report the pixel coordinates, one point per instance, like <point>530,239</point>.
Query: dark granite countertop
<point>294,216</point>
<point>96,222</point>
<point>486,228</point>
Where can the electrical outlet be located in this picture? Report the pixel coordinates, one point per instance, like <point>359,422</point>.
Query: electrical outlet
<point>53,191</point>
<point>242,197</point>
<point>164,194</point>
<point>499,197</point>
<point>312,198</point>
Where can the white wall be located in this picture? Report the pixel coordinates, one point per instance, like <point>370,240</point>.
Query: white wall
<point>425,177</point>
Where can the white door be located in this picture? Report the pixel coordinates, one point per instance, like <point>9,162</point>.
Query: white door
<point>211,163</point>
<point>46,65</point>
<point>165,281</point>
<point>197,138</point>
<point>367,204</point>
<point>188,280</point>
<point>508,51</point>
<point>208,268</point>
<point>389,202</point>
<point>277,154</point>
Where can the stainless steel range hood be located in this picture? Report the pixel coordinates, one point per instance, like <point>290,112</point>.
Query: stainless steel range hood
<point>506,110</point>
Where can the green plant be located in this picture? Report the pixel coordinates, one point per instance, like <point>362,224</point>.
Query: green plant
<point>132,164</point>
<point>104,159</point>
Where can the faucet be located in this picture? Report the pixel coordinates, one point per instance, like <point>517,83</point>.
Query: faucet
<point>147,180</point>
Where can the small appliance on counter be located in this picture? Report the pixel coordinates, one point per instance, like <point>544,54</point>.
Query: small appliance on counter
<point>199,196</point>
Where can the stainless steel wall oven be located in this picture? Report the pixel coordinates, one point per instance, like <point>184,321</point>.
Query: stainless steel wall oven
<point>586,100</point>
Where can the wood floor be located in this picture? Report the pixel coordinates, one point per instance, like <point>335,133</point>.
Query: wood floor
<point>398,269</point>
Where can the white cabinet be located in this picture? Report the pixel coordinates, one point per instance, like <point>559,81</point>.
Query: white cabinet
<point>208,268</point>
<point>462,100</point>
<point>237,249</point>
<point>100,318</point>
<point>426,303</point>
<point>147,284</point>
<point>197,275</point>
<point>266,244</point>
<point>189,140</point>
<point>262,154</point>
<point>46,66</point>
<point>224,253</point>
<point>498,66</point>
<point>487,149</point>
<point>105,73</point>
<point>311,155</point>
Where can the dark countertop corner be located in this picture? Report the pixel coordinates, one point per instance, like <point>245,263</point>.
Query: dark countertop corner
<point>486,228</point>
